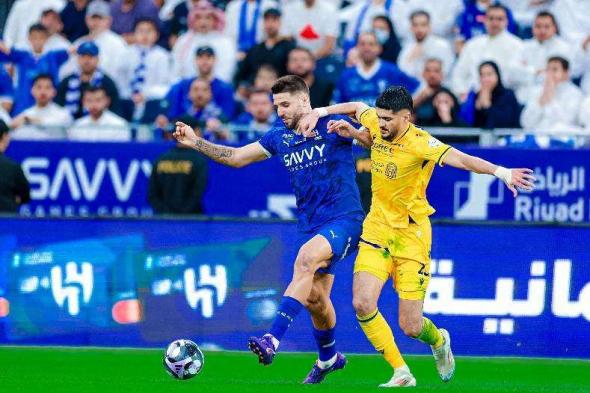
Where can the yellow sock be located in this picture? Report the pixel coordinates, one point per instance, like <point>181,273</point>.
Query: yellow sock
<point>380,335</point>
<point>430,334</point>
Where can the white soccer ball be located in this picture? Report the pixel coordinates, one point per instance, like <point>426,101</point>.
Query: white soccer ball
<point>183,359</point>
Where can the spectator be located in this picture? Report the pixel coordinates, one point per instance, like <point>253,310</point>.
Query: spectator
<point>371,76</point>
<point>73,17</point>
<point>497,45</point>
<point>274,50</point>
<point>31,63</point>
<point>126,13</point>
<point>472,21</point>
<point>493,106</point>
<point>14,187</point>
<point>22,15</point>
<point>359,16</point>
<point>445,111</point>
<point>44,120</point>
<point>553,107</point>
<point>206,27</point>
<point>6,90</point>
<point>178,181</point>
<point>147,72</point>
<point>432,81</point>
<point>244,23</point>
<point>265,78</point>
<point>313,25</point>
<point>443,15</point>
<point>524,13</point>
<point>113,48</point>
<point>424,45</point>
<point>258,118</point>
<point>100,124</point>
<point>545,43</point>
<point>177,99</point>
<point>71,89</point>
<point>177,23</point>
<point>204,110</point>
<point>387,37</point>
<point>302,63</point>
<point>51,20</point>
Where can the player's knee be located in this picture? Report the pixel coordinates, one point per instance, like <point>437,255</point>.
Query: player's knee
<point>412,327</point>
<point>305,264</point>
<point>363,304</point>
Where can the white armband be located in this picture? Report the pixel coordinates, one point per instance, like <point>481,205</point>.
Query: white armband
<point>322,112</point>
<point>504,174</point>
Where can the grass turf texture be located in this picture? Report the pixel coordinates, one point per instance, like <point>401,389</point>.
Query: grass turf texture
<point>82,370</point>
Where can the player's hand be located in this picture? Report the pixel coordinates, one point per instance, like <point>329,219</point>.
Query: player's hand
<point>307,124</point>
<point>342,128</point>
<point>522,179</point>
<point>185,134</point>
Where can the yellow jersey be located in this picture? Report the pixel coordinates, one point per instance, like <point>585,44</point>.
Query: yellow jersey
<point>400,170</point>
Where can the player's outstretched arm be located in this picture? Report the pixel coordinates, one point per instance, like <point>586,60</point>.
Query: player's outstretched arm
<point>514,178</point>
<point>353,109</point>
<point>347,130</point>
<point>236,157</point>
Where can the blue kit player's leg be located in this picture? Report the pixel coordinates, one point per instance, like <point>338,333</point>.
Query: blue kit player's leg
<point>343,236</point>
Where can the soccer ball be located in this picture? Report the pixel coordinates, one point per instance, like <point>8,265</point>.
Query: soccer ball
<point>183,359</point>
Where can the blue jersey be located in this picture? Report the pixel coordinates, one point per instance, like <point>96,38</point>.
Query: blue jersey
<point>29,67</point>
<point>321,170</point>
<point>352,86</point>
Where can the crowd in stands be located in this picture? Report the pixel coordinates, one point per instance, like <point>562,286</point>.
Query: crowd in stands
<point>95,70</point>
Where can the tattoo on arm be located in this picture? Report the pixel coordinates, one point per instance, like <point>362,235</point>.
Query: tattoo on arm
<point>218,153</point>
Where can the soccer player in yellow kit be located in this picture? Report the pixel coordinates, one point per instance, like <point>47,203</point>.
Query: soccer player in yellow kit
<point>397,235</point>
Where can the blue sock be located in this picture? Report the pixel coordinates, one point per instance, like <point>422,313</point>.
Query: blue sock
<point>286,313</point>
<point>326,343</point>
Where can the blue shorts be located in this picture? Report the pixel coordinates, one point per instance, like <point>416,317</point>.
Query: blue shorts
<point>343,234</point>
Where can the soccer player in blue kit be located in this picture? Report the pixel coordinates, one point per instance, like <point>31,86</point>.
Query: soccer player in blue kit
<point>322,172</point>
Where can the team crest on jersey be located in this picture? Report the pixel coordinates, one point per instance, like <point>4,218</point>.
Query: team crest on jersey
<point>288,138</point>
<point>433,142</point>
<point>391,170</point>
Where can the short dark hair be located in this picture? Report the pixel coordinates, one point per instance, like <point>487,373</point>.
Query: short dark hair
<point>38,27</point>
<point>3,129</point>
<point>253,91</point>
<point>151,21</point>
<point>269,68</point>
<point>547,14</point>
<point>395,98</point>
<point>561,60</point>
<point>302,49</point>
<point>418,13</point>
<point>290,84</point>
<point>498,6</point>
<point>52,12</point>
<point>95,89</point>
<point>44,76</point>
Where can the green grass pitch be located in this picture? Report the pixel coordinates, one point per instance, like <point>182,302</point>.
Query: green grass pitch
<point>81,370</point>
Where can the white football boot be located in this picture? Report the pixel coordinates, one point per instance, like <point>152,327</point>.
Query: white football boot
<point>400,379</point>
<point>443,356</point>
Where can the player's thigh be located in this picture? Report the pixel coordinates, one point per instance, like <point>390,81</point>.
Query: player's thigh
<point>366,289</point>
<point>374,260</point>
<point>314,254</point>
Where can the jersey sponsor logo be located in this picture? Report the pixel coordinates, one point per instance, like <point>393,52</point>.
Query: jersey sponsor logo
<point>383,148</point>
<point>306,155</point>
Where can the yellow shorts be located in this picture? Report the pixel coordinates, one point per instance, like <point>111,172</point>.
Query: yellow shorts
<point>403,254</point>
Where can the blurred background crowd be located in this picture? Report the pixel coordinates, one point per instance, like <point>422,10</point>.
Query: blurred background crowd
<point>127,69</point>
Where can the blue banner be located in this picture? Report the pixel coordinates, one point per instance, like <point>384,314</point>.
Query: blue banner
<point>81,179</point>
<point>499,290</point>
